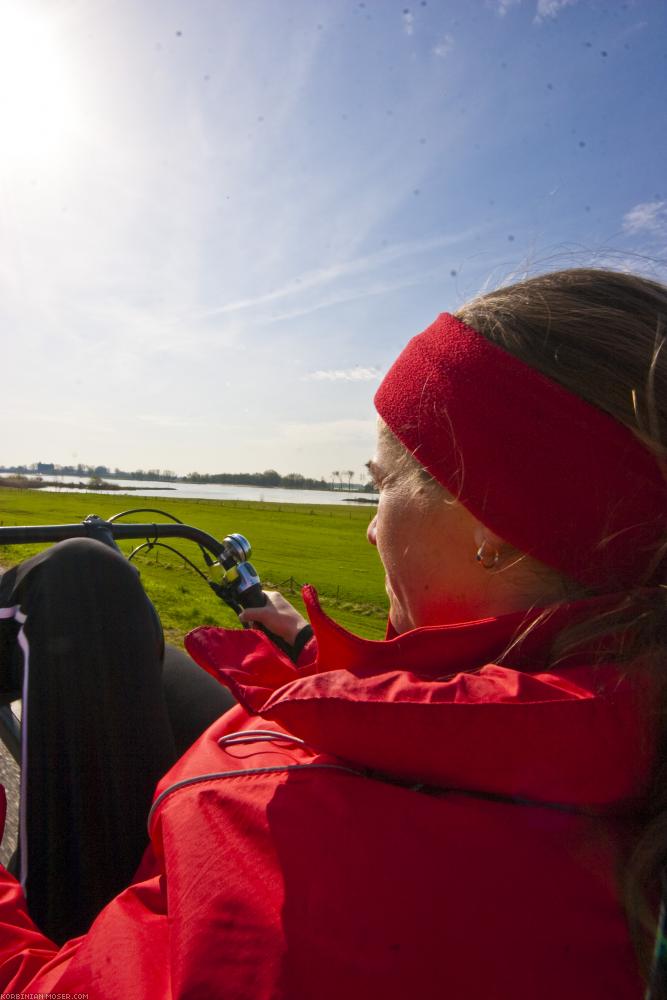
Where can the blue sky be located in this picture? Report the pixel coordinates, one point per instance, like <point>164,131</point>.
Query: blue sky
<point>220,221</point>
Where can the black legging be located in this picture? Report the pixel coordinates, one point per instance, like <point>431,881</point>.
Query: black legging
<point>103,718</point>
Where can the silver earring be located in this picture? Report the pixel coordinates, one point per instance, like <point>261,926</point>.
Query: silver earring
<point>488,560</point>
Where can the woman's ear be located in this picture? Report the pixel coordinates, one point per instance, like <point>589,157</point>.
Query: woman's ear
<point>489,546</point>
<point>483,534</point>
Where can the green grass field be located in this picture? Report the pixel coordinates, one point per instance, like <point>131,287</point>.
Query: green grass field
<point>292,544</point>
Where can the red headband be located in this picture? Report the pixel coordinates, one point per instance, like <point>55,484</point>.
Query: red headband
<point>551,474</point>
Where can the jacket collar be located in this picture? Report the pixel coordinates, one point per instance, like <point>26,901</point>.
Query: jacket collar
<point>432,705</point>
<point>434,652</point>
<point>438,651</point>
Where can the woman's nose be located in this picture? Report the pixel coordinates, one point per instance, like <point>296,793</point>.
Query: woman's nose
<point>371,533</point>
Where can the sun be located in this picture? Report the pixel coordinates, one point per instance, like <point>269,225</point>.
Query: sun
<point>36,96</point>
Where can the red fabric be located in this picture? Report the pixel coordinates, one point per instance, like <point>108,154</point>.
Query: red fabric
<point>320,870</point>
<point>544,470</point>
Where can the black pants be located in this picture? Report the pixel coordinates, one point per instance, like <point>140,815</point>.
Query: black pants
<point>104,715</point>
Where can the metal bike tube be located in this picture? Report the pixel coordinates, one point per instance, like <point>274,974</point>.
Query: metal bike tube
<point>20,534</point>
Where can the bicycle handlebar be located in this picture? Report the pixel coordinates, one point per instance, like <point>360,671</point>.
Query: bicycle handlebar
<point>241,586</point>
<point>21,534</point>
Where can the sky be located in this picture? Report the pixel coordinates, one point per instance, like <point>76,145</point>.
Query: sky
<point>221,220</point>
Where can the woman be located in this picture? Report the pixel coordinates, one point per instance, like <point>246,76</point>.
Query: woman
<point>458,811</point>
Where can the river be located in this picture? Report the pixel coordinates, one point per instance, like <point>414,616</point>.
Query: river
<point>213,491</point>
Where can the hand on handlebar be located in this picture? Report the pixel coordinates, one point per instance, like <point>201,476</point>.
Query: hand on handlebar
<point>277,616</point>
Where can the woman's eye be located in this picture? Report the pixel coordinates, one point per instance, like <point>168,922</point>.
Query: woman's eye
<point>375,474</point>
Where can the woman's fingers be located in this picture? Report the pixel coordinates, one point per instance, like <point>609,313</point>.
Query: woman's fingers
<point>277,615</point>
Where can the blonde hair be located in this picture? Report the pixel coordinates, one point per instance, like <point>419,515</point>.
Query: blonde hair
<point>601,334</point>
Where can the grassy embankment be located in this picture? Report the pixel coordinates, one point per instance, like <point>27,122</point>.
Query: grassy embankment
<point>322,545</point>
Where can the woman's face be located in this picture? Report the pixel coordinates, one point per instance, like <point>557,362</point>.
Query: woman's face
<point>427,543</point>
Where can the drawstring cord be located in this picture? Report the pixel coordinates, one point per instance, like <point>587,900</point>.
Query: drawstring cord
<point>658,978</point>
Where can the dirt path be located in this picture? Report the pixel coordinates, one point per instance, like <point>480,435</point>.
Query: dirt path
<point>9,777</point>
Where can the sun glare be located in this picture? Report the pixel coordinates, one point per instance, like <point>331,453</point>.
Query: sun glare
<point>36,99</point>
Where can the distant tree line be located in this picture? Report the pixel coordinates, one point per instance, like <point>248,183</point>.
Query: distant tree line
<point>90,471</point>
<point>292,481</point>
<point>268,478</point>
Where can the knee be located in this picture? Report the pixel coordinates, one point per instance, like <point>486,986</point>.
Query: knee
<point>90,575</point>
<point>85,559</point>
<point>75,549</point>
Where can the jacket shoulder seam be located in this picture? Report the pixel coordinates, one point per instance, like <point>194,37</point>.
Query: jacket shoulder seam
<point>241,772</point>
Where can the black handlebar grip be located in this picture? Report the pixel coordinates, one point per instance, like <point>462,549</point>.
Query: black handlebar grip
<point>253,597</point>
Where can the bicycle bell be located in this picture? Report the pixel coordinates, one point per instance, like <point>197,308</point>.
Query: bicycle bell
<point>237,550</point>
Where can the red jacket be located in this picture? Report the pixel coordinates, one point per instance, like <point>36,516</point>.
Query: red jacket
<point>429,824</point>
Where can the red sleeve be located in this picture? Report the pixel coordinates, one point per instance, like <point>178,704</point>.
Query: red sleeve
<point>24,950</point>
<point>134,924</point>
<point>308,654</point>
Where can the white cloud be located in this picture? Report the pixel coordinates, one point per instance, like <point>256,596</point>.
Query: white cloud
<point>328,431</point>
<point>502,6</point>
<point>366,291</point>
<point>329,275</point>
<point>646,217</point>
<point>167,421</point>
<point>71,419</point>
<point>357,374</point>
<point>552,8</point>
<point>444,46</point>
<point>408,22</point>
<point>545,8</point>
